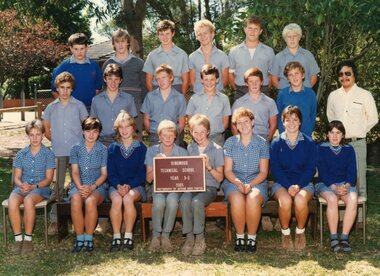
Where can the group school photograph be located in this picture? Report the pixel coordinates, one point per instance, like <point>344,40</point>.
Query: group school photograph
<point>189,137</point>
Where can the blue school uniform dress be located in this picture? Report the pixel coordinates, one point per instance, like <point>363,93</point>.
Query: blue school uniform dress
<point>34,169</point>
<point>90,165</point>
<point>126,166</point>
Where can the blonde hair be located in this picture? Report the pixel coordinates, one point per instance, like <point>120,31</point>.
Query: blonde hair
<point>120,35</point>
<point>204,23</point>
<point>168,126</point>
<point>124,117</point>
<point>199,120</point>
<point>37,124</point>
<point>242,112</point>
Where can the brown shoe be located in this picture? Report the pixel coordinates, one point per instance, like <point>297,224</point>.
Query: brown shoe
<point>266,223</point>
<point>300,242</point>
<point>166,245</point>
<point>27,247</point>
<point>199,247</point>
<point>16,247</point>
<point>287,242</point>
<point>154,244</point>
<point>187,247</point>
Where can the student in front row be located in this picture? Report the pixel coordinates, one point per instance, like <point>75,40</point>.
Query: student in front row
<point>246,161</point>
<point>126,177</point>
<point>33,172</point>
<point>88,161</point>
<point>293,158</point>
<point>193,204</point>
<point>337,172</point>
<point>165,205</point>
<point>164,103</point>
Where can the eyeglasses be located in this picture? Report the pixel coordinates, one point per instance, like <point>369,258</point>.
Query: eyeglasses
<point>347,74</point>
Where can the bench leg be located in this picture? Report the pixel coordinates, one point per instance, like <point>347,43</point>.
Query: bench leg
<point>46,225</point>
<point>321,222</point>
<point>364,222</point>
<point>62,227</point>
<point>5,227</point>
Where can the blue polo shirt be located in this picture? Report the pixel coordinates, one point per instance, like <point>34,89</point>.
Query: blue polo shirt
<point>156,149</point>
<point>240,61</point>
<point>197,60</point>
<point>88,78</point>
<point>107,112</point>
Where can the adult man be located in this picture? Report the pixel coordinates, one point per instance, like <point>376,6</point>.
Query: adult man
<point>167,53</point>
<point>250,53</point>
<point>356,109</point>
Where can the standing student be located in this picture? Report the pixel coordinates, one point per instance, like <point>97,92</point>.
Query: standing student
<point>167,53</point>
<point>164,103</point>
<point>62,120</point>
<point>264,108</point>
<point>86,72</point>
<point>88,161</point>
<point>193,204</point>
<point>126,176</point>
<point>299,95</point>
<point>207,53</point>
<point>251,53</point>
<point>107,105</point>
<point>165,205</point>
<point>212,103</point>
<point>33,170</point>
<point>133,79</point>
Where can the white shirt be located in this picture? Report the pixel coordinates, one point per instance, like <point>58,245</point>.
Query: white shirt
<point>356,109</point>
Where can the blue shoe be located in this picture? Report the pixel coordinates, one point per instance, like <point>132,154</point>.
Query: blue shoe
<point>88,246</point>
<point>78,245</point>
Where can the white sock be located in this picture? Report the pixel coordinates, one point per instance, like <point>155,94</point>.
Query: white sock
<point>18,237</point>
<point>116,236</point>
<point>285,232</point>
<point>127,235</point>
<point>251,237</point>
<point>27,237</point>
<point>240,236</point>
<point>300,231</point>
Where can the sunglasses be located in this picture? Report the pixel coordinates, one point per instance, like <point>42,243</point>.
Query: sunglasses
<point>347,74</point>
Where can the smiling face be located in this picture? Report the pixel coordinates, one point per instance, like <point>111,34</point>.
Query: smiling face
<point>79,52</point>
<point>164,80</point>
<point>113,83</point>
<point>254,84</point>
<point>209,82</point>
<point>64,91</point>
<point>205,36</point>
<point>291,123</point>
<point>166,37</point>
<point>35,137</point>
<point>200,135</point>
<point>252,32</point>
<point>346,77</point>
<point>244,125</point>
<point>125,131</point>
<point>295,78</point>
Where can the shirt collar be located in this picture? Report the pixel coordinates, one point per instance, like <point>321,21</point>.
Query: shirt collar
<point>174,49</point>
<point>122,61</point>
<point>73,60</point>
<point>292,91</point>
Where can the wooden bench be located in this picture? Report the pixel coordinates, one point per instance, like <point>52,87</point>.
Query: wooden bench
<point>37,108</point>
<point>218,208</point>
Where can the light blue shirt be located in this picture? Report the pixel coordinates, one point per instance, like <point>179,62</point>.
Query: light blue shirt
<point>65,124</point>
<point>176,58</point>
<point>159,110</point>
<point>215,111</point>
<point>107,111</point>
<point>240,61</point>
<point>156,149</point>
<point>303,56</point>
<point>263,110</point>
<point>197,60</point>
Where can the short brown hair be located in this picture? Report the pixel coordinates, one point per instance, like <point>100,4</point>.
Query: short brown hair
<point>164,25</point>
<point>253,72</point>
<point>253,20</point>
<point>78,39</point>
<point>92,123</point>
<point>64,77</point>
<point>164,68</point>
<point>124,117</point>
<point>199,119</point>
<point>209,69</point>
<point>293,65</point>
<point>113,69</point>
<point>37,124</point>
<point>290,110</point>
<point>242,112</point>
<point>120,34</point>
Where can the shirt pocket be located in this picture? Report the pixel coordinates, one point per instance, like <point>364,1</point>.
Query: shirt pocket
<point>356,111</point>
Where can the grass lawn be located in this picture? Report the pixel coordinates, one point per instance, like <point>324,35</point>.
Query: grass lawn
<point>218,260</point>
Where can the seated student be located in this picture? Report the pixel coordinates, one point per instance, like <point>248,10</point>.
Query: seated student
<point>33,172</point>
<point>193,204</point>
<point>107,105</point>
<point>88,161</point>
<point>212,103</point>
<point>337,171</point>
<point>263,107</point>
<point>246,160</point>
<point>126,177</point>
<point>164,103</point>
<point>299,95</point>
<point>293,158</point>
<point>165,205</point>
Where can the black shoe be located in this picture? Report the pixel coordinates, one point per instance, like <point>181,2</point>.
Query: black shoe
<point>128,245</point>
<point>77,247</point>
<point>88,246</point>
<point>335,245</point>
<point>115,245</point>
<point>345,246</point>
<point>251,246</point>
<point>239,245</point>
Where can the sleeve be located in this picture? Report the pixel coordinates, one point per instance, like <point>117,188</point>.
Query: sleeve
<point>93,110</point>
<point>190,110</point>
<point>231,60</point>
<point>185,63</point>
<point>74,155</point>
<point>279,108</point>
<point>264,150</point>
<point>271,57</point>
<point>219,158</point>
<point>225,61</point>
<point>273,111</point>
<point>275,164</point>
<point>322,166</point>
<point>330,107</point>
<point>17,162</point>
<point>275,67</point>
<point>113,177</point>
<point>313,109</point>
<point>139,179</point>
<point>228,146</point>
<point>104,155</point>
<point>149,157</point>
<point>313,65</point>
<point>351,172</point>
<point>371,112</point>
<point>191,61</point>
<point>50,159</point>
<point>145,108</point>
<point>308,171</point>
<point>226,106</point>
<point>182,108</point>
<point>82,111</point>
<point>47,113</point>
<point>132,107</point>
<point>148,65</point>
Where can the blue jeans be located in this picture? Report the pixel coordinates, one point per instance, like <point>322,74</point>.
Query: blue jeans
<point>193,210</point>
<point>165,207</point>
